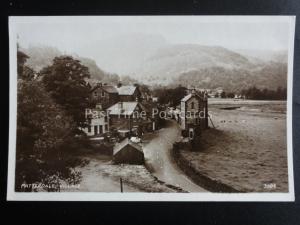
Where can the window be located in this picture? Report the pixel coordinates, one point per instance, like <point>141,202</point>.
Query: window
<point>95,94</point>
<point>95,130</point>
<point>105,119</point>
<point>106,128</point>
<point>193,105</point>
<point>102,93</point>
<point>89,129</point>
<point>191,134</point>
<point>100,129</point>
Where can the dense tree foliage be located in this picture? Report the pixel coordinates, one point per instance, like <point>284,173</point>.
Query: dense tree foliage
<point>24,72</point>
<point>65,80</point>
<point>268,76</point>
<point>170,96</point>
<point>44,134</point>
<point>265,94</point>
<point>230,95</point>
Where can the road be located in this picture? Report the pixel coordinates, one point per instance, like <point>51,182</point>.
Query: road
<point>157,147</point>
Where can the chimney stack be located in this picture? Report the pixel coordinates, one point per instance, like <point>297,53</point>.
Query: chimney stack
<point>193,92</point>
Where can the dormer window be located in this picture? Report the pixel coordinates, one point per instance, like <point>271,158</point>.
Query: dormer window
<point>102,94</point>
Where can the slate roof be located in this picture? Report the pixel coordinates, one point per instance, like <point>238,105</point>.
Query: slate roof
<point>126,90</point>
<point>187,97</point>
<point>127,108</point>
<point>126,142</point>
<point>107,88</point>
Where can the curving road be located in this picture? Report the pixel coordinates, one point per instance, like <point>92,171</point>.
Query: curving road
<point>157,147</point>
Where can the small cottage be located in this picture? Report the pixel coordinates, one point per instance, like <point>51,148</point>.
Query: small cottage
<point>128,152</point>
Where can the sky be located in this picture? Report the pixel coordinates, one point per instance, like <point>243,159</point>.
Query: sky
<point>69,33</point>
<point>108,39</point>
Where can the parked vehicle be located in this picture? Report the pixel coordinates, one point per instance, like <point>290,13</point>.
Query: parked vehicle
<point>135,140</point>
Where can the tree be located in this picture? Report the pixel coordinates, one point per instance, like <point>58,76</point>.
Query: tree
<point>44,134</point>
<point>223,94</point>
<point>265,94</point>
<point>24,72</point>
<point>65,80</point>
<point>177,94</point>
<point>230,95</point>
<point>172,96</point>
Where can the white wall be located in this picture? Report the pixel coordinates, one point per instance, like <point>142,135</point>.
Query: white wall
<point>98,122</point>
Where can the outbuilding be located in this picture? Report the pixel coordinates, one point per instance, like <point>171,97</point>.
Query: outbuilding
<point>128,152</point>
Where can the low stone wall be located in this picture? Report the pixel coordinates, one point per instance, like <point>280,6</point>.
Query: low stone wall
<point>175,188</point>
<point>196,176</point>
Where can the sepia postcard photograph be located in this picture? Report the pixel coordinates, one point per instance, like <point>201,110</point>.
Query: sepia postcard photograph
<point>151,108</point>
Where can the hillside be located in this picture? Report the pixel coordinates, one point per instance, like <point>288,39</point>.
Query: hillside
<point>271,76</point>
<point>123,54</point>
<point>42,56</point>
<point>174,60</point>
<point>182,64</point>
<point>264,55</point>
<point>212,67</point>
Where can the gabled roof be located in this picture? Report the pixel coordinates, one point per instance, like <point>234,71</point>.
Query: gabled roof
<point>109,89</point>
<point>126,90</point>
<point>126,142</point>
<point>106,88</point>
<point>189,96</point>
<point>127,108</point>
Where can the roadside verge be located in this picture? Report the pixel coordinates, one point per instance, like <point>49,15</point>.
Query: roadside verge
<point>196,176</point>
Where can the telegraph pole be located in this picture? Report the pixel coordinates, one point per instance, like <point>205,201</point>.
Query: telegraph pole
<point>121,184</point>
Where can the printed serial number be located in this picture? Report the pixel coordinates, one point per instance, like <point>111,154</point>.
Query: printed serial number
<point>270,186</point>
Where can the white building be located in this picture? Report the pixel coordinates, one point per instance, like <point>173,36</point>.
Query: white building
<point>98,122</point>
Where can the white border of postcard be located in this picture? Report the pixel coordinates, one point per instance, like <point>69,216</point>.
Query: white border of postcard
<point>95,196</point>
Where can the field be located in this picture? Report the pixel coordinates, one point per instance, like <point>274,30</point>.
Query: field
<point>247,148</point>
